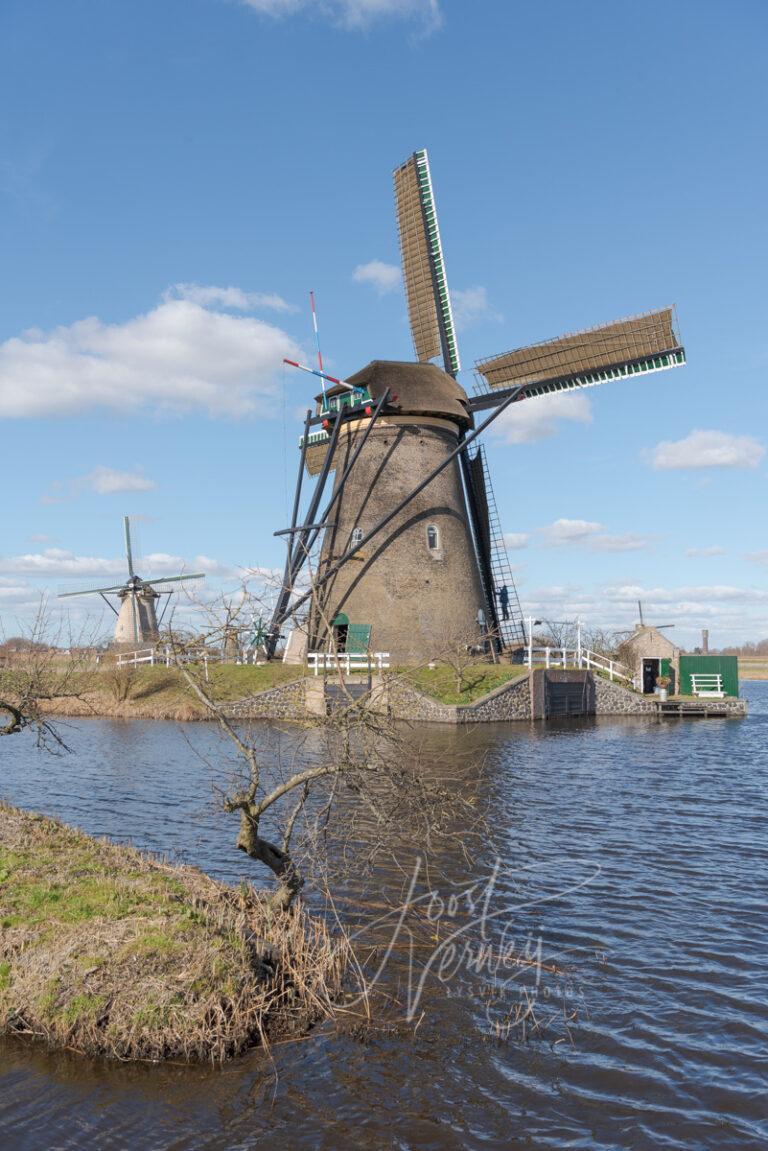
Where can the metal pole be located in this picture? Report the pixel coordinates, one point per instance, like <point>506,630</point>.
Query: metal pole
<point>297,553</point>
<point>300,549</point>
<point>339,486</point>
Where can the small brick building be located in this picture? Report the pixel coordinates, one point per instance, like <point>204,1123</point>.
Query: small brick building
<point>649,653</point>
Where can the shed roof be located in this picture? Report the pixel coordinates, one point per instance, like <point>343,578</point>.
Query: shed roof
<point>421,389</point>
<point>648,635</point>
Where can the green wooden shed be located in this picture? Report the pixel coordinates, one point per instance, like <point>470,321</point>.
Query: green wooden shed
<point>727,666</point>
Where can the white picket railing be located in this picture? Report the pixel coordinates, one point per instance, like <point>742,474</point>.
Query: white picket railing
<point>347,661</point>
<point>166,658</point>
<point>146,655</point>
<point>566,657</point>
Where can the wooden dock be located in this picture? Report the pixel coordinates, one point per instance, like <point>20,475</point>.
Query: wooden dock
<point>728,708</point>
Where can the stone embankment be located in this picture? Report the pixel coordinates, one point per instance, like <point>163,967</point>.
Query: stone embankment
<point>521,698</point>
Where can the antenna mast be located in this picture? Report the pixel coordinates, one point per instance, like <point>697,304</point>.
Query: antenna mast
<point>317,339</point>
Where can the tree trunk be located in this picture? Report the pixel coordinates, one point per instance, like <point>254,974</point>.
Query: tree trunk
<point>289,880</point>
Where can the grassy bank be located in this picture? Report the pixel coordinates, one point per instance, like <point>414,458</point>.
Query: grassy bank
<point>477,680</point>
<point>108,952</point>
<point>161,692</point>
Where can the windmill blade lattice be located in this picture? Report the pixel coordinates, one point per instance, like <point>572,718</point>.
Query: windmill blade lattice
<point>635,346</point>
<point>426,285</point>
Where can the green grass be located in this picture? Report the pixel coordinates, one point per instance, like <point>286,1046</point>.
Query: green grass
<point>106,951</point>
<point>163,693</point>
<point>441,682</point>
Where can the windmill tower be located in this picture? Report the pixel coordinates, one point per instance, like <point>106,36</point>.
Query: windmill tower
<point>412,548</point>
<point>137,621</point>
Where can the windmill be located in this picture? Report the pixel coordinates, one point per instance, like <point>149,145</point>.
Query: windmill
<point>137,621</point>
<point>411,538</point>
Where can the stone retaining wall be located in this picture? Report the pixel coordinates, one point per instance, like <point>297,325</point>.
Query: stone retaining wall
<point>303,698</point>
<point>613,699</point>
<point>288,701</point>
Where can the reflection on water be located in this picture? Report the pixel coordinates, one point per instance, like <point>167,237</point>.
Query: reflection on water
<point>661,956</point>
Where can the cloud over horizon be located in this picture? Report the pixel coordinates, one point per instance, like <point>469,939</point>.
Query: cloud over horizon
<point>592,536</point>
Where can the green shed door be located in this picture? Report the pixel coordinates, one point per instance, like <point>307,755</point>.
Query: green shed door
<point>358,637</point>
<point>665,668</point>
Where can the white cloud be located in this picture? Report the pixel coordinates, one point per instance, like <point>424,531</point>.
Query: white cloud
<point>57,563</point>
<point>708,449</point>
<point>354,13</point>
<point>515,540</point>
<point>471,306</point>
<point>39,538</point>
<point>13,592</point>
<point>537,417</point>
<point>383,277</point>
<point>732,613</point>
<point>591,535</point>
<point>209,296</point>
<point>705,553</point>
<point>106,481</point>
<point>758,557</point>
<point>564,532</point>
<point>176,357</point>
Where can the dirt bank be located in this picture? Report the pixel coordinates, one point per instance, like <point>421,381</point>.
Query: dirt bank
<point>108,952</point>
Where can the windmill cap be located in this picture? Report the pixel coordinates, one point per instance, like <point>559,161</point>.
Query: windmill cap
<point>421,389</point>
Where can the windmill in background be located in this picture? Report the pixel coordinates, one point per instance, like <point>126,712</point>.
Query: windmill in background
<point>412,499</point>
<point>137,621</point>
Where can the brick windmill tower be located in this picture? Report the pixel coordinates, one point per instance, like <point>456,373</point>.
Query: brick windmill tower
<point>411,551</point>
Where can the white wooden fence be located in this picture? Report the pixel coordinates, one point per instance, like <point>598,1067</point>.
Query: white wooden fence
<point>566,657</point>
<point>166,658</point>
<point>347,661</point>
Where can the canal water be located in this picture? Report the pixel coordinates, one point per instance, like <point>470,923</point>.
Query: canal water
<point>628,878</point>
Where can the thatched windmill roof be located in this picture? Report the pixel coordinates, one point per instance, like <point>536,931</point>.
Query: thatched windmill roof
<point>421,389</point>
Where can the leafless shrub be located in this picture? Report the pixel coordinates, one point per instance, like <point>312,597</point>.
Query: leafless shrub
<point>40,669</point>
<point>120,681</point>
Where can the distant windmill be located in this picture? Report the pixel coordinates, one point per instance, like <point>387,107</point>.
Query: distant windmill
<point>137,621</point>
<point>414,545</point>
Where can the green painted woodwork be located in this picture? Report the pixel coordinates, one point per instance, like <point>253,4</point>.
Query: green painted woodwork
<point>725,665</point>
<point>358,637</point>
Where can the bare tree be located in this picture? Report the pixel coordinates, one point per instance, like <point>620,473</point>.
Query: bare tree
<point>355,761</point>
<point>466,653</point>
<point>34,670</point>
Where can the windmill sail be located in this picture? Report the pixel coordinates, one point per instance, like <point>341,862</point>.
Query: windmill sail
<point>426,286</point>
<point>640,344</point>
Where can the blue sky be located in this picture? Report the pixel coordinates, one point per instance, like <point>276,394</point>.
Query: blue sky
<point>590,160</point>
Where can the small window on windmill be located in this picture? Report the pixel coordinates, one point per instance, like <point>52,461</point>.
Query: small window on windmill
<point>433,538</point>
<point>356,537</point>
